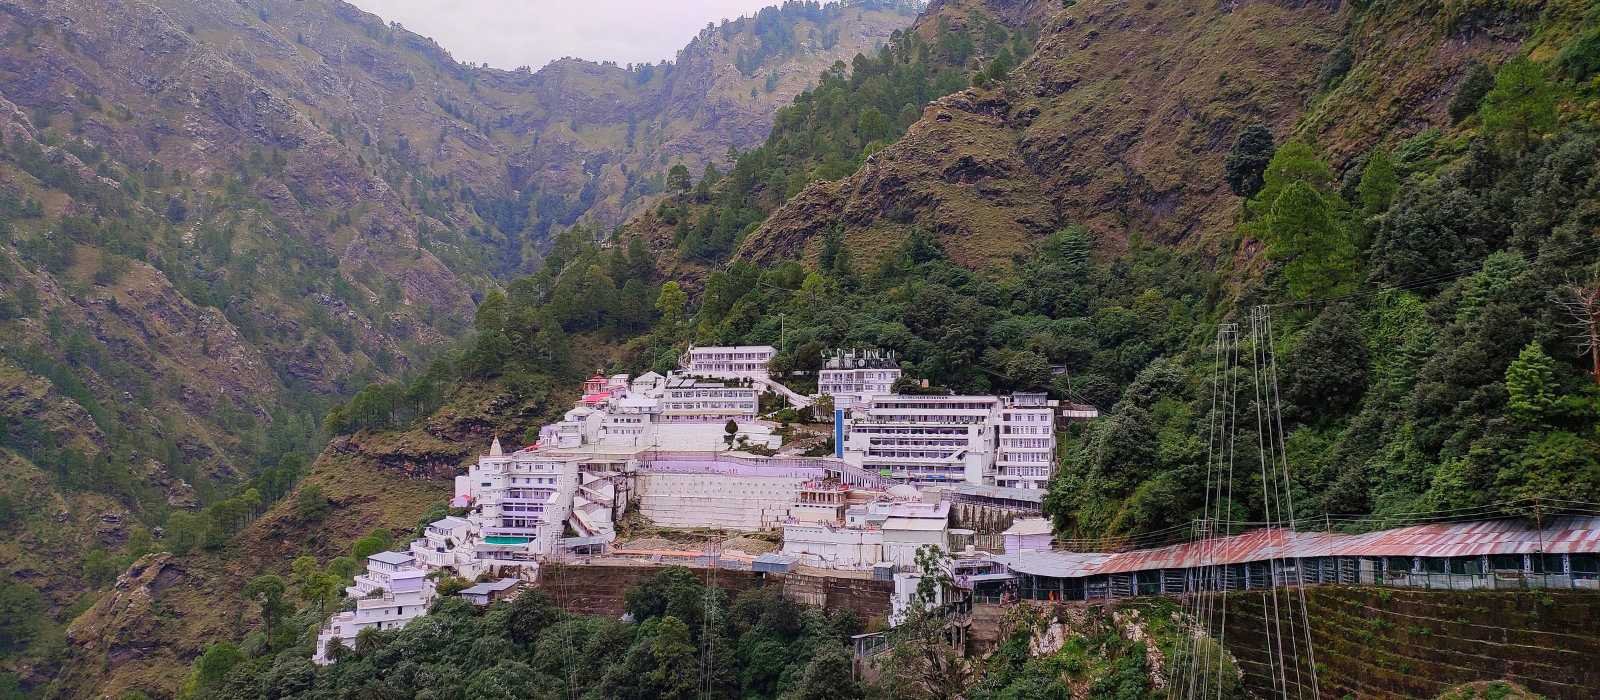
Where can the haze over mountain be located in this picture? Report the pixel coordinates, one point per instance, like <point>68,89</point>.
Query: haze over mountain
<point>510,33</point>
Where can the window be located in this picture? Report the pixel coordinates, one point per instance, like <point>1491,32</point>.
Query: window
<point>1505,562</point>
<point>1549,564</point>
<point>1585,565</point>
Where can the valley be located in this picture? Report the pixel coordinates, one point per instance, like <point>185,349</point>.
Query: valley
<point>277,274</point>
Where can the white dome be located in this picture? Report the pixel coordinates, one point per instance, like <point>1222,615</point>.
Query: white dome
<point>904,492</point>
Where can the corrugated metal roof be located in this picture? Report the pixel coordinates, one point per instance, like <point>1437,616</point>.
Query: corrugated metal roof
<point>1559,535</point>
<point>490,587</point>
<point>1053,564</point>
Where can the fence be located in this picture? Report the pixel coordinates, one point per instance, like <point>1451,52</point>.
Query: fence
<point>1539,572</point>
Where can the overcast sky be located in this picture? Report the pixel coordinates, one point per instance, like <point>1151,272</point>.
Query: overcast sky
<point>511,33</point>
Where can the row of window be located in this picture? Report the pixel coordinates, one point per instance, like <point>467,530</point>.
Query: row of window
<point>1025,456</point>
<point>1031,417</point>
<point>868,429</point>
<point>930,406</point>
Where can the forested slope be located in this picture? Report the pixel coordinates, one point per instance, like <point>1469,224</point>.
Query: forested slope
<point>217,219</point>
<point>1409,186</point>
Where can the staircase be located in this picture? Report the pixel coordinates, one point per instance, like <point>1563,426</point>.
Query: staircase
<point>795,400</point>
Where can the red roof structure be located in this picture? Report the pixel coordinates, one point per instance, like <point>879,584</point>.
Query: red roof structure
<point>1565,534</point>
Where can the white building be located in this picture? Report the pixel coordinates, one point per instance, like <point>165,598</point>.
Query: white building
<point>853,377</point>
<point>696,400</point>
<point>1027,450</point>
<point>831,546</point>
<point>911,526</point>
<point>738,362</point>
<point>391,593</point>
<point>925,439</point>
<point>725,501</point>
<point>1028,534</point>
<point>954,439</point>
<point>856,535</point>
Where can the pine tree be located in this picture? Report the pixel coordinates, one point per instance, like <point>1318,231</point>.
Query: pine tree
<point>1522,105</point>
<point>1302,230</point>
<point>1530,385</point>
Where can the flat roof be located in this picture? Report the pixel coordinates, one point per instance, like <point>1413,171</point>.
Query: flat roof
<point>392,558</point>
<point>488,587</point>
<point>734,348</point>
<point>1029,526</point>
<point>1005,492</point>
<point>924,524</point>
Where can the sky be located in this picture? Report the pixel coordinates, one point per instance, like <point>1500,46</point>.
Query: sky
<point>511,33</point>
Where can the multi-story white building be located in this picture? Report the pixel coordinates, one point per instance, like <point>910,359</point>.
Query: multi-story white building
<point>737,362</point>
<point>521,501</point>
<point>696,400</point>
<point>953,439</point>
<point>853,377</point>
<point>1027,450</point>
<point>924,439</point>
<point>392,592</point>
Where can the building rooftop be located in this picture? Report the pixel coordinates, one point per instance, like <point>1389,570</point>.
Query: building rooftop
<point>861,359</point>
<point>395,558</point>
<point>450,522</point>
<point>490,587</point>
<point>927,511</point>
<point>1002,492</point>
<point>1029,526</point>
<point>1560,535</point>
<point>734,348</point>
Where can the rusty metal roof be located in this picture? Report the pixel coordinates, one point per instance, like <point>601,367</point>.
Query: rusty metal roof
<point>1565,534</point>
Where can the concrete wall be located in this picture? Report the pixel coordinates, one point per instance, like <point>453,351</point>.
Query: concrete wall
<point>716,500</point>
<point>1391,643</point>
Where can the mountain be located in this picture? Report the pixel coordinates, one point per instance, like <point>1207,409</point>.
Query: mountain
<point>1407,187</point>
<point>220,218</point>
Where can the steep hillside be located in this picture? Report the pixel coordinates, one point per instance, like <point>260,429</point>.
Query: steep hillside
<point>1117,122</point>
<point>219,218</point>
<point>145,632</point>
<point>831,130</point>
<point>1410,186</point>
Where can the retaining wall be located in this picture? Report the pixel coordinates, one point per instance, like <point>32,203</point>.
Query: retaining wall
<point>1396,643</point>
<point>599,589</point>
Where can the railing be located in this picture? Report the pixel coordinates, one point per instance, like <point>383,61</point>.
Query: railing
<point>1348,571</point>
